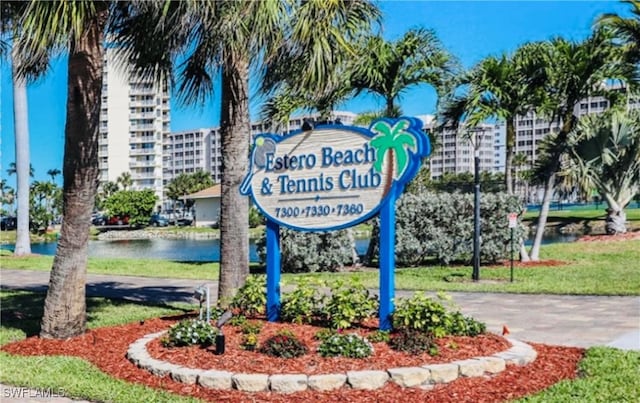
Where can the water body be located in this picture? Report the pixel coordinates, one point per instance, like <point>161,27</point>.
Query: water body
<point>188,250</point>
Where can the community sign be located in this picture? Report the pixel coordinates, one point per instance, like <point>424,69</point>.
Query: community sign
<point>333,177</point>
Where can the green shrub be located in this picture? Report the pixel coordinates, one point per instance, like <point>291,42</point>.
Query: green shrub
<point>238,320</point>
<point>251,299</point>
<point>255,218</point>
<point>345,345</point>
<point>190,332</point>
<point>413,341</point>
<point>379,336</point>
<point>460,325</point>
<point>440,225</point>
<point>429,315</point>
<point>421,313</point>
<point>251,327</point>
<point>324,334</point>
<point>283,345</point>
<point>302,305</point>
<point>349,304</point>
<point>308,252</point>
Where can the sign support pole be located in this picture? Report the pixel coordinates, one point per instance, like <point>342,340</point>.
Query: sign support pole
<point>387,261</point>
<point>512,255</point>
<point>273,271</point>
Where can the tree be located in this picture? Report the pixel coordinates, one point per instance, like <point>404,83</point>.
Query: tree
<point>41,204</point>
<point>11,26</point>
<point>226,38</point>
<point>604,154</point>
<point>53,173</point>
<point>389,69</point>
<point>499,87</point>
<point>135,204</point>
<point>107,189</point>
<point>185,184</point>
<point>79,27</point>
<point>6,197</point>
<point>574,71</point>
<point>12,170</point>
<point>124,180</point>
<point>628,29</point>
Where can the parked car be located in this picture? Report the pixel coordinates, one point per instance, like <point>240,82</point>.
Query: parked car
<point>98,219</point>
<point>8,223</point>
<point>158,220</point>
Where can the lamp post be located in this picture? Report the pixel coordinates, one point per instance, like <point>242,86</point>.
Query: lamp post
<point>476,139</point>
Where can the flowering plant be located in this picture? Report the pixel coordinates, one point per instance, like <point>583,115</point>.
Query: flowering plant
<point>345,345</point>
<point>250,341</point>
<point>190,332</point>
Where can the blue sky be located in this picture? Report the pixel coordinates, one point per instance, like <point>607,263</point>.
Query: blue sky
<point>471,30</point>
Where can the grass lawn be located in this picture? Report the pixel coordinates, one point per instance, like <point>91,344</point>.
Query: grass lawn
<point>600,268</point>
<point>74,376</point>
<point>606,375</point>
<point>121,267</point>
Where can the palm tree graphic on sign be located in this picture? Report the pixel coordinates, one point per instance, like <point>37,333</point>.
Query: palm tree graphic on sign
<point>393,140</point>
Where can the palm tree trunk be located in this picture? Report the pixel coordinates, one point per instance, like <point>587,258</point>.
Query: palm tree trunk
<point>508,164</point>
<point>542,218</point>
<point>234,208</point>
<point>508,176</point>
<point>65,305</point>
<point>21,123</point>
<point>374,240</point>
<point>616,221</point>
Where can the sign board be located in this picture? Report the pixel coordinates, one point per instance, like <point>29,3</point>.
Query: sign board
<point>513,220</point>
<point>332,177</point>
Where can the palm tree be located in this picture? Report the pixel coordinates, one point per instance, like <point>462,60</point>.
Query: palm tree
<point>626,28</point>
<point>79,27</point>
<point>519,174</point>
<point>42,195</point>
<point>185,184</point>
<point>227,38</point>
<point>389,69</point>
<point>124,180</point>
<point>574,71</point>
<point>4,190</point>
<point>499,87</point>
<point>12,170</point>
<point>11,26</point>
<point>604,154</point>
<point>53,173</point>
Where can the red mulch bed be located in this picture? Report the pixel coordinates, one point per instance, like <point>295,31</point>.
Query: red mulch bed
<point>618,237</point>
<point>236,359</point>
<point>106,348</point>
<point>539,263</point>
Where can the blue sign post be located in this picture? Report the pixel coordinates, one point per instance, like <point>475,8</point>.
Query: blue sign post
<point>330,178</point>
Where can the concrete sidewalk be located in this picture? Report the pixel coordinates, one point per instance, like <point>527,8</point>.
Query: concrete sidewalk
<point>567,320</point>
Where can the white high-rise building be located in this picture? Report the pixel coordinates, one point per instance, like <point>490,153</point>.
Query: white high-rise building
<point>455,151</point>
<point>532,128</point>
<point>134,120</point>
